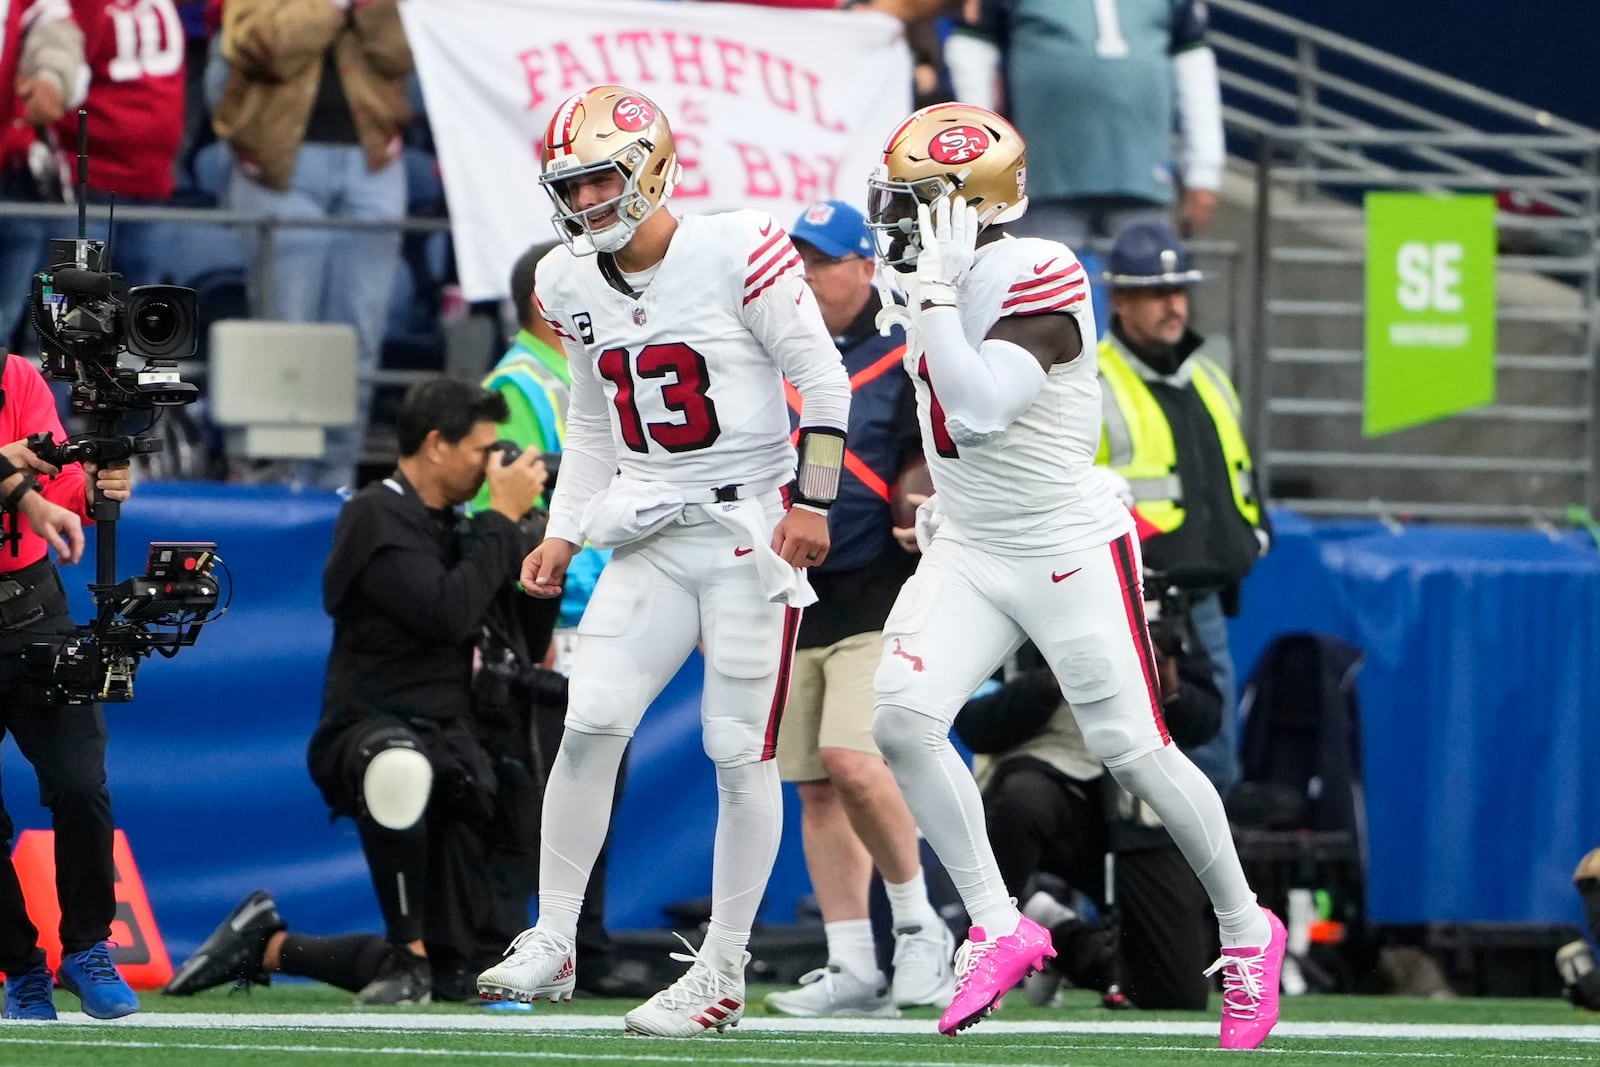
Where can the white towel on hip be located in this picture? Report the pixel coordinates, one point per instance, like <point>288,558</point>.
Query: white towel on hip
<point>782,583</point>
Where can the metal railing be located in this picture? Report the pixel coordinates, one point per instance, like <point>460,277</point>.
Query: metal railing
<point>1329,119</point>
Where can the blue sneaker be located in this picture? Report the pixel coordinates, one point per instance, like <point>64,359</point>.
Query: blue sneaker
<point>31,994</point>
<point>93,976</point>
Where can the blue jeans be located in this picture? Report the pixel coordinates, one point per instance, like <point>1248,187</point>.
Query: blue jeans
<point>1219,757</point>
<point>331,275</point>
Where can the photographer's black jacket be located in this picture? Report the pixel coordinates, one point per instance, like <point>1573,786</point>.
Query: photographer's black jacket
<point>408,592</point>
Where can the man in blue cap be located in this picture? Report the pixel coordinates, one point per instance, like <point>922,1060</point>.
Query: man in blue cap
<point>1172,432</point>
<point>852,814</point>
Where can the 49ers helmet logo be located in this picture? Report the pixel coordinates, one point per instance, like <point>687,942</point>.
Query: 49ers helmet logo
<point>958,144</point>
<point>633,114</point>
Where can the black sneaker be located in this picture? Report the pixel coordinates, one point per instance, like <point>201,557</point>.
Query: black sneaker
<point>234,950</point>
<point>627,979</point>
<point>403,978</point>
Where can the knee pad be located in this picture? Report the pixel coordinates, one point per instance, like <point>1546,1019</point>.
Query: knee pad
<point>395,787</point>
<point>731,743</point>
<point>899,731</point>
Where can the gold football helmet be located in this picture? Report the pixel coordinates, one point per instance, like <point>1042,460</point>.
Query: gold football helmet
<point>939,151</point>
<point>600,131</point>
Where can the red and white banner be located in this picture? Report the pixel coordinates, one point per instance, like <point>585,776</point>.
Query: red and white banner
<point>771,108</point>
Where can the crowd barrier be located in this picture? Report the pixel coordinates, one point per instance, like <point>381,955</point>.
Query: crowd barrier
<point>1483,649</point>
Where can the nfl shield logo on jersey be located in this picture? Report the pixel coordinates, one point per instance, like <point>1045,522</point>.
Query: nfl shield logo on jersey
<point>638,316</point>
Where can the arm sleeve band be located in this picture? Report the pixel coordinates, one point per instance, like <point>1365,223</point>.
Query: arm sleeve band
<point>821,464</point>
<point>982,391</point>
<point>1200,117</point>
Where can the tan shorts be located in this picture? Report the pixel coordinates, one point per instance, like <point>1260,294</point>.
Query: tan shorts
<point>830,705</point>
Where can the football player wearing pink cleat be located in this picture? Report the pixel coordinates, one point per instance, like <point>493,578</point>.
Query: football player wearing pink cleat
<point>1250,979</point>
<point>987,968</point>
<point>1021,540</point>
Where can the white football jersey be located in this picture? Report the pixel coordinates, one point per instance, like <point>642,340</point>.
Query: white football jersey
<point>683,383</point>
<point>1029,491</point>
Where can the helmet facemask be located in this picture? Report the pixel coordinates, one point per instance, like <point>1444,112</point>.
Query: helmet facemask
<point>579,228</point>
<point>892,214</point>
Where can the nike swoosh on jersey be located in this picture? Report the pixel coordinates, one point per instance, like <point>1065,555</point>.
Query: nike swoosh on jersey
<point>1040,268</point>
<point>767,228</point>
<point>1054,577</point>
<point>743,551</point>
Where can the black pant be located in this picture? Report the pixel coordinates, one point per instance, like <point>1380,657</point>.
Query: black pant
<point>1040,820</point>
<point>66,745</point>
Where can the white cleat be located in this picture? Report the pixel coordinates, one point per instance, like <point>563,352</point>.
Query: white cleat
<point>705,998</point>
<point>832,991</point>
<point>539,965</point>
<point>923,974</point>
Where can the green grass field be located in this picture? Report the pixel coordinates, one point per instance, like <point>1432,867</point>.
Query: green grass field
<point>314,1025</point>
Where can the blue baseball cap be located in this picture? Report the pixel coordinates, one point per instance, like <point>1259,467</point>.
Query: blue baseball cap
<point>835,229</point>
<point>1149,255</point>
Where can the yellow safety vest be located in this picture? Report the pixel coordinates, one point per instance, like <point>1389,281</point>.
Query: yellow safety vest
<point>1136,439</point>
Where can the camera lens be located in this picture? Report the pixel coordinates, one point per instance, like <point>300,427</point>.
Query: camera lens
<point>162,321</point>
<point>157,322</point>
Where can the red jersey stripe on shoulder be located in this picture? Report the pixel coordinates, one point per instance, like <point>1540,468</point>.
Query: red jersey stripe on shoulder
<point>792,263</point>
<point>777,235</point>
<point>775,251</point>
<point>1060,297</point>
<point>1073,274</point>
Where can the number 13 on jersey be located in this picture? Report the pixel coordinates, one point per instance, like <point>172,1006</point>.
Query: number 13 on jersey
<point>678,374</point>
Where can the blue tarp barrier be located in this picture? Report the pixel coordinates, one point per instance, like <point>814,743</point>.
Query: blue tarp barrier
<point>1481,703</point>
<point>1483,649</point>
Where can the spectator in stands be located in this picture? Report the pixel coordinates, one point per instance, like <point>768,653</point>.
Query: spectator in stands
<point>1052,810</point>
<point>398,748</point>
<point>65,743</point>
<point>1097,89</point>
<point>1172,433</point>
<point>41,54</point>
<point>314,108</point>
<point>536,382</point>
<point>852,814</point>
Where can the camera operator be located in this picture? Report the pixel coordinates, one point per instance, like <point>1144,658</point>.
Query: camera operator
<point>398,749</point>
<point>66,744</point>
<point>1052,810</point>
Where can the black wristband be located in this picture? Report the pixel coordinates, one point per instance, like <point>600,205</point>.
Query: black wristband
<point>7,468</point>
<point>14,498</point>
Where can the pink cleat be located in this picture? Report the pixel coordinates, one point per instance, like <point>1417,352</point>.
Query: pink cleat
<point>987,970</point>
<point>1250,988</point>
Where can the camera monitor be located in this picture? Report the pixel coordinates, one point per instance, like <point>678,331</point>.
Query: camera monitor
<point>276,385</point>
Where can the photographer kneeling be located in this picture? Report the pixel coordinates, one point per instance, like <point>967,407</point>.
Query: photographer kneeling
<point>1051,809</point>
<point>398,749</point>
<point>66,743</point>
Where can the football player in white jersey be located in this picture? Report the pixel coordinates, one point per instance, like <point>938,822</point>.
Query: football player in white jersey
<point>680,333</point>
<point>1023,540</point>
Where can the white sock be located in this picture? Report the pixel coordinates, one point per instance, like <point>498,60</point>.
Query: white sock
<point>850,945</point>
<point>749,823</point>
<point>573,824</point>
<point>909,904</point>
<point>944,799</point>
<point>1188,805</point>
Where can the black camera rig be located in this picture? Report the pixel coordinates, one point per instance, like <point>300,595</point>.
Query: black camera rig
<point>87,318</point>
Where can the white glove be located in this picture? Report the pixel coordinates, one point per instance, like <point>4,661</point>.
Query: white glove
<point>949,244</point>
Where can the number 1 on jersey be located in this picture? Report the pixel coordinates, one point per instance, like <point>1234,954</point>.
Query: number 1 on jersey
<point>941,436</point>
<point>684,393</point>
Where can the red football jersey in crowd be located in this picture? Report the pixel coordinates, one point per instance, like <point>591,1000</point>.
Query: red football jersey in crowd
<point>134,50</point>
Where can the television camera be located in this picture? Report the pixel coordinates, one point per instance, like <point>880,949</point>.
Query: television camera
<point>87,318</point>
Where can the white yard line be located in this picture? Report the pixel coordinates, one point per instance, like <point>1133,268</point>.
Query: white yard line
<point>566,1022</point>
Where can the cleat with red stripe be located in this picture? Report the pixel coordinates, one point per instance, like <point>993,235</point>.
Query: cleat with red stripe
<point>707,997</point>
<point>539,965</point>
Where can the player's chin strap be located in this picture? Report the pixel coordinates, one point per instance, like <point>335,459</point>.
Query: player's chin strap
<point>816,483</point>
<point>893,313</point>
